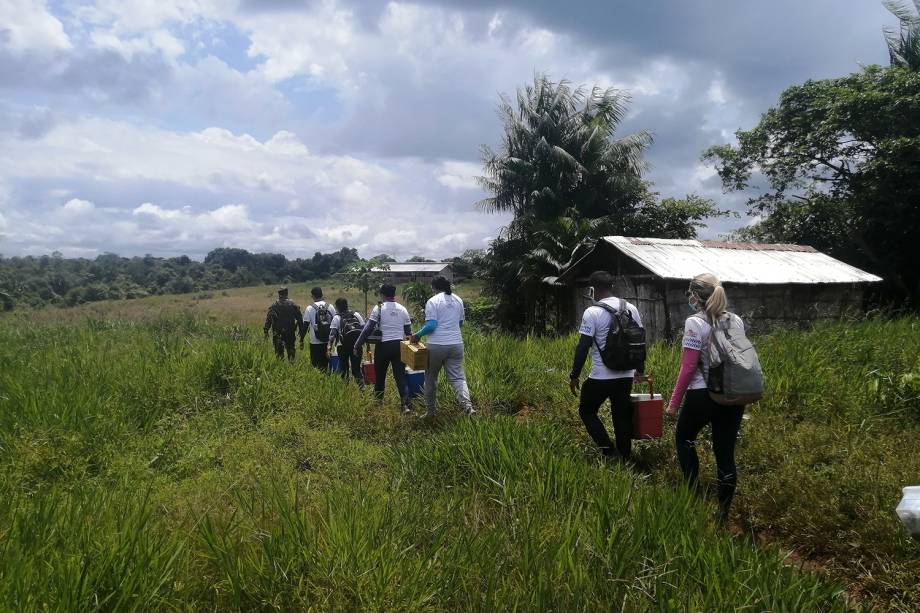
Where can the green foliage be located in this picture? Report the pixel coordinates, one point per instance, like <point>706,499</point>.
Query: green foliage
<point>175,464</point>
<point>415,295</point>
<point>365,276</point>
<point>42,280</point>
<point>904,43</point>
<point>843,152</point>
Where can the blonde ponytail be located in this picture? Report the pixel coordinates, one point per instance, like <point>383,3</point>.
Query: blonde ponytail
<point>717,303</point>
<point>709,291</point>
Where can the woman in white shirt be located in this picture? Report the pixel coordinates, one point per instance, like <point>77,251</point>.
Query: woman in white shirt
<point>444,315</point>
<point>395,324</point>
<point>707,302</point>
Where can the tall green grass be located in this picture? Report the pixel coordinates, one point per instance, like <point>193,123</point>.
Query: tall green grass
<point>174,464</point>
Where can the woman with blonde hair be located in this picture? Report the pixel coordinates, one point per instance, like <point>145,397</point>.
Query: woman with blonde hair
<point>707,302</point>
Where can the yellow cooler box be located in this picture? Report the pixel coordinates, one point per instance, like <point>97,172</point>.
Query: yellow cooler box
<point>413,355</point>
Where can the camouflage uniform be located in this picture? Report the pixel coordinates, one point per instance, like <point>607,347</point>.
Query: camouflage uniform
<point>285,319</point>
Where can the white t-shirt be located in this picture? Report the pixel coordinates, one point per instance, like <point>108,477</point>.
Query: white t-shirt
<point>447,310</point>
<point>309,317</point>
<point>395,319</point>
<point>696,336</point>
<point>337,321</point>
<point>596,322</point>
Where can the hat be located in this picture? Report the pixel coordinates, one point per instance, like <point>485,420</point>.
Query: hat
<point>282,290</point>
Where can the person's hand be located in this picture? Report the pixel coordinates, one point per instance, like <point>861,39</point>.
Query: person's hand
<point>671,409</point>
<point>414,339</point>
<point>574,384</point>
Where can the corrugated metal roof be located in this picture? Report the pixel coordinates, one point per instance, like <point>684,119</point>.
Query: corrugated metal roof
<point>433,267</point>
<point>738,262</point>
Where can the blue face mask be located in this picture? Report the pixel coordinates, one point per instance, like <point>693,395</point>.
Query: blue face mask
<point>693,308</point>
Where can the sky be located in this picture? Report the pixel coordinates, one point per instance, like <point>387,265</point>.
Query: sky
<point>175,127</point>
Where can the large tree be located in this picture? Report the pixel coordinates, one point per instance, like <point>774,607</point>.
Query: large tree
<point>559,153</point>
<point>840,159</point>
<point>567,178</point>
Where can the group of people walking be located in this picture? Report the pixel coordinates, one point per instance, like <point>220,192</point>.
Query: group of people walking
<point>690,398</point>
<point>345,333</point>
<point>389,323</point>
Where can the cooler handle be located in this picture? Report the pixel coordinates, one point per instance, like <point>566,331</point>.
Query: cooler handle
<point>651,386</point>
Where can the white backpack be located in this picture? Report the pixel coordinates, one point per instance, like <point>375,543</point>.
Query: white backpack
<point>735,376</point>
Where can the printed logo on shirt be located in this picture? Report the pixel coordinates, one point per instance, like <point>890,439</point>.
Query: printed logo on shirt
<point>692,343</point>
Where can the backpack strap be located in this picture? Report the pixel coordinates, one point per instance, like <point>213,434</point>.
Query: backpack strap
<point>613,316</point>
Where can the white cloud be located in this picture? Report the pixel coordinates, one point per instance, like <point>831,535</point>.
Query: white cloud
<point>219,188</point>
<point>77,206</point>
<point>345,234</point>
<point>28,26</point>
<point>460,175</point>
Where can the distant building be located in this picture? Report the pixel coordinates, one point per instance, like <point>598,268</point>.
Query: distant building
<point>768,285</point>
<point>423,272</point>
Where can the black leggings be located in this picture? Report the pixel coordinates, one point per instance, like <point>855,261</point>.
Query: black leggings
<point>593,394</point>
<point>698,411</point>
<point>387,353</point>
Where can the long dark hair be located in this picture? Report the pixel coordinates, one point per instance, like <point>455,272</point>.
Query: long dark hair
<point>441,284</point>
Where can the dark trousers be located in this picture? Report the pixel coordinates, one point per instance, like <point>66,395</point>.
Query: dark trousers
<point>284,341</point>
<point>593,394</point>
<point>699,410</point>
<point>346,358</point>
<point>387,354</point>
<point>318,357</point>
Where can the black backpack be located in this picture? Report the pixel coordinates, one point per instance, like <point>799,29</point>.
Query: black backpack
<point>349,330</point>
<point>625,347</point>
<point>322,322</point>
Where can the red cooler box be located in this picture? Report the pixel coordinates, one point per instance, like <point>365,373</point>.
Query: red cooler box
<point>648,413</point>
<point>370,374</point>
<point>367,368</point>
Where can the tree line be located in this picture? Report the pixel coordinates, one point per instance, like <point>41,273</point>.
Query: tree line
<point>53,279</point>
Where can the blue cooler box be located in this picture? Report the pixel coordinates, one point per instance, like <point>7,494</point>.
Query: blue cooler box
<point>416,382</point>
<point>334,363</point>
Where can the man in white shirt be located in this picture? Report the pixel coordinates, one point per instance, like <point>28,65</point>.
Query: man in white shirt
<point>395,324</point>
<point>317,321</point>
<point>603,383</point>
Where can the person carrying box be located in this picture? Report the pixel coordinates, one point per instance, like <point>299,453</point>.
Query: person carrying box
<point>444,314</point>
<point>395,324</point>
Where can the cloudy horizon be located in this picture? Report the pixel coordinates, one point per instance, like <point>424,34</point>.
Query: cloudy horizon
<point>175,127</point>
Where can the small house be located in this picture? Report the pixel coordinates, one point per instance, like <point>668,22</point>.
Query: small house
<point>409,272</point>
<point>769,285</point>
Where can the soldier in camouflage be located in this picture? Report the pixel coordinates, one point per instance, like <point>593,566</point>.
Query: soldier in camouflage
<point>284,319</point>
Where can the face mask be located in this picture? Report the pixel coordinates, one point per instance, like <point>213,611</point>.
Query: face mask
<point>693,307</point>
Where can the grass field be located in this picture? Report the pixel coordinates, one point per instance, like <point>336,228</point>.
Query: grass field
<point>154,455</point>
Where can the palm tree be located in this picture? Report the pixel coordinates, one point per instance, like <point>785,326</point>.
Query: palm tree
<point>904,43</point>
<point>559,153</point>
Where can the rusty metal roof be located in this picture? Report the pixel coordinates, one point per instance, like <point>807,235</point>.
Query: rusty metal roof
<point>738,262</point>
